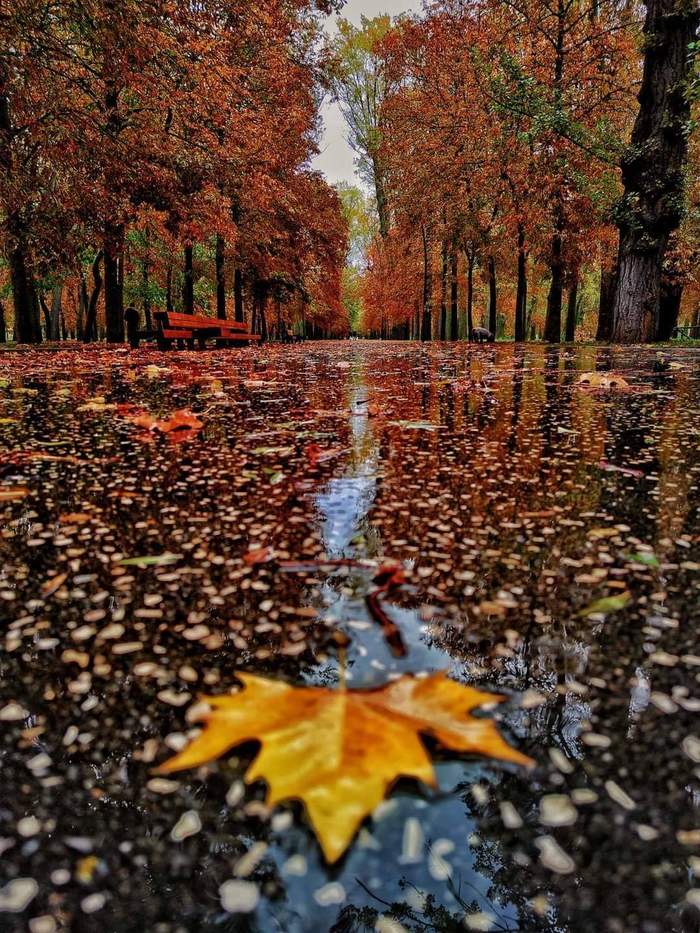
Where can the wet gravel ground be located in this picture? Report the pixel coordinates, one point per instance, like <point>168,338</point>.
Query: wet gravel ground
<point>547,523</point>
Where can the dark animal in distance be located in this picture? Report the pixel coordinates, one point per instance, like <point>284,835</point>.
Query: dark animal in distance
<point>482,335</point>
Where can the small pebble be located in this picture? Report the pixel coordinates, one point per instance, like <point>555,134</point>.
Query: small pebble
<point>189,824</point>
<point>18,894</point>
<point>239,897</point>
<point>553,856</point>
<point>330,894</point>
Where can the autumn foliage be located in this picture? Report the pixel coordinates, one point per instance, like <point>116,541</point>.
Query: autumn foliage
<point>157,153</point>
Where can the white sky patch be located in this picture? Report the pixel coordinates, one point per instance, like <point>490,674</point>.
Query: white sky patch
<point>336,158</point>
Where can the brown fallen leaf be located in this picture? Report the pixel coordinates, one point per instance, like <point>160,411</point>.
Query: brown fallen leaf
<point>339,751</point>
<point>13,493</point>
<point>55,583</point>
<point>74,518</point>
<point>602,381</point>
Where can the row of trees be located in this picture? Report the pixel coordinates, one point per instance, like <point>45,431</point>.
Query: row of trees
<point>158,153</point>
<point>526,151</point>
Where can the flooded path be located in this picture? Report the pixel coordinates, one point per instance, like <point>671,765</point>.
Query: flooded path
<point>547,526</point>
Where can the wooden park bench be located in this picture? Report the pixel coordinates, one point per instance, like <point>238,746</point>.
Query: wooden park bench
<point>191,328</point>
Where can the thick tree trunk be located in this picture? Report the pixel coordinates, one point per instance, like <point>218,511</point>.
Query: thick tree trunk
<point>91,317</point>
<point>454,317</point>
<point>443,292</point>
<point>653,168</point>
<point>571,309</point>
<point>26,326</point>
<point>552,325</point>
<point>521,291</point>
<point>188,281</point>
<point>426,320</point>
<point>493,296</point>
<point>220,277</point>
<point>605,305</point>
<point>114,283</point>
<point>238,295</point>
<point>669,307</point>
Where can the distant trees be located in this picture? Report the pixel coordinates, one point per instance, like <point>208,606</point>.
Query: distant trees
<point>167,147</point>
<point>503,129</point>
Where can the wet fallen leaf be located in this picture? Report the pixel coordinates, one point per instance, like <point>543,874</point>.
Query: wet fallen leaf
<point>607,604</point>
<point>55,583</point>
<point>612,468</point>
<point>602,381</point>
<point>156,560</point>
<point>339,751</point>
<point>13,493</point>
<point>262,555</point>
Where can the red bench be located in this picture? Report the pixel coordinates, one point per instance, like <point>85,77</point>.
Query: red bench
<point>191,327</point>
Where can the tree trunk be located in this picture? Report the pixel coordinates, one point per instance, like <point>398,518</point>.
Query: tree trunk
<point>147,296</point>
<point>521,291</point>
<point>91,317</point>
<point>56,312</point>
<point>653,168</point>
<point>47,316</point>
<point>3,324</point>
<point>26,329</point>
<point>454,319</point>
<point>188,281</point>
<point>220,277</point>
<point>238,295</point>
<point>443,292</point>
<point>552,325</point>
<point>493,296</point>
<point>605,305</point>
<point>471,258</point>
<point>669,307</point>
<point>81,313</point>
<point>571,309</point>
<point>114,283</point>
<point>169,304</point>
<point>426,321</point>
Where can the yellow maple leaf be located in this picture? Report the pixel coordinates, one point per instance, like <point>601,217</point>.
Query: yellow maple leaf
<point>339,751</point>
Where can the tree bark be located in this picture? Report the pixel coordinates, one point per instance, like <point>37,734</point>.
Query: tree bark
<point>26,325</point>
<point>521,291</point>
<point>91,317</point>
<point>552,325</point>
<point>493,296</point>
<point>147,296</point>
<point>605,304</point>
<point>471,258</point>
<point>571,309</point>
<point>426,320</point>
<point>169,304</point>
<point>238,295</point>
<point>220,277</point>
<point>454,318</point>
<point>653,168</point>
<point>443,292</point>
<point>669,307</point>
<point>114,283</point>
<point>188,281</point>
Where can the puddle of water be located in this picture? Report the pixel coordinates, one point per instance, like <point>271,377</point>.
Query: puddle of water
<point>515,500</point>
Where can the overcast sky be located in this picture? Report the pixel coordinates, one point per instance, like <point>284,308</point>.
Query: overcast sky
<point>336,158</point>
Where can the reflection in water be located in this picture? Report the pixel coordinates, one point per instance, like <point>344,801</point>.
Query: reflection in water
<point>515,501</point>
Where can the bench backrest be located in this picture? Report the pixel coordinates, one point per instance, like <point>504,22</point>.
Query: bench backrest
<point>190,321</point>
